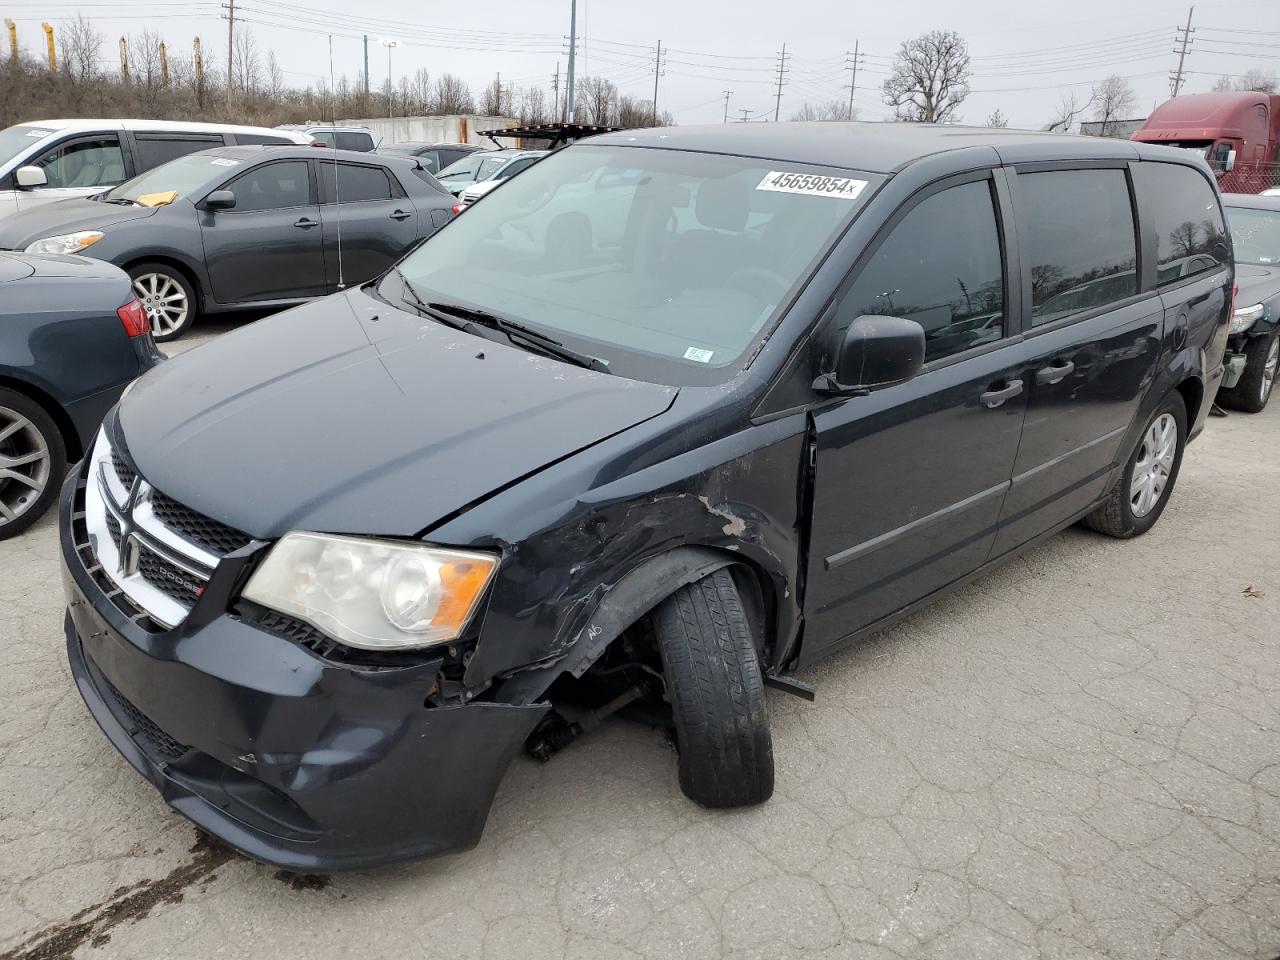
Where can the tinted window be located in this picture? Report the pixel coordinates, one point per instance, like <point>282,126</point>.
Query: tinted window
<point>941,267</point>
<point>260,138</point>
<point>1079,238</point>
<point>323,136</point>
<point>355,183</point>
<point>354,141</point>
<point>1184,214</point>
<point>155,151</point>
<point>271,187</point>
<point>430,160</point>
<point>84,163</point>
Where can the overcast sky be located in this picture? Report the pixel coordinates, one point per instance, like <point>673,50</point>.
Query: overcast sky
<point>1025,55</point>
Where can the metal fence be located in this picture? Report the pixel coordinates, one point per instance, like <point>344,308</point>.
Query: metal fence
<point>1246,177</point>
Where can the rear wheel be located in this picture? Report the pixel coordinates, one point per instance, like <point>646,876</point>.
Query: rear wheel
<point>1262,360</point>
<point>167,297</point>
<point>716,690</point>
<point>1138,498</point>
<point>33,459</point>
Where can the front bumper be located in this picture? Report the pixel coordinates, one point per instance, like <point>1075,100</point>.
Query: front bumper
<point>290,758</point>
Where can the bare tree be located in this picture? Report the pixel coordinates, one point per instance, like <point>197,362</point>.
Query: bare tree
<point>597,101</point>
<point>1258,80</point>
<point>491,100</point>
<point>1223,85</point>
<point>245,64</point>
<point>827,110</point>
<point>1070,110</point>
<point>533,106</point>
<point>930,77</point>
<point>451,95</point>
<point>275,77</point>
<point>1113,100</point>
<point>81,44</point>
<point>997,119</point>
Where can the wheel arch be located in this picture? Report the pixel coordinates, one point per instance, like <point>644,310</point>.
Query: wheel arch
<point>1191,389</point>
<point>59,415</point>
<point>191,275</point>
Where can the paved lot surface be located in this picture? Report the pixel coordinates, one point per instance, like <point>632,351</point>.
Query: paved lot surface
<point>1076,757</point>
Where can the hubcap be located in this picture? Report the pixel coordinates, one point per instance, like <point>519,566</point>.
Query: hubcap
<point>24,465</point>
<point>1269,369</point>
<point>164,300</point>
<point>1154,464</point>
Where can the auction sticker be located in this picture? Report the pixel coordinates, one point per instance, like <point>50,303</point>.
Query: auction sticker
<point>224,162</point>
<point>816,185</point>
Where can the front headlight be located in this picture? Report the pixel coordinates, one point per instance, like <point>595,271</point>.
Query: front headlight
<point>373,594</point>
<point>66,243</point>
<point>1244,318</point>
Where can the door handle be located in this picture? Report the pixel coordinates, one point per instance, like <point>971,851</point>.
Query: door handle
<point>995,397</point>
<point>306,223</point>
<point>1056,372</point>
<point>401,215</point>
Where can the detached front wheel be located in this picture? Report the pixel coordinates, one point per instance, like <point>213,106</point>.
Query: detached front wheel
<point>712,670</point>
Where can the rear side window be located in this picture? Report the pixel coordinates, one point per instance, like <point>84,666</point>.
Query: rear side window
<point>1183,212</point>
<point>153,151</point>
<point>354,141</point>
<point>273,187</point>
<point>260,139</point>
<point>940,266</point>
<point>355,183</point>
<point>1077,232</point>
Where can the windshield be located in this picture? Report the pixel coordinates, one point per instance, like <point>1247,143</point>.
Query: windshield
<point>184,176</point>
<point>15,140</point>
<point>667,264</point>
<point>463,169</point>
<point>1255,235</point>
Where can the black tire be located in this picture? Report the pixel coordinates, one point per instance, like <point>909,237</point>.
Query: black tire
<point>164,328</point>
<point>1116,516</point>
<point>713,679</point>
<point>15,494</point>
<point>1250,394</point>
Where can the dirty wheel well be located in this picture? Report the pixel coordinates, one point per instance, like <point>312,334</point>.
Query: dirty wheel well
<point>1192,391</point>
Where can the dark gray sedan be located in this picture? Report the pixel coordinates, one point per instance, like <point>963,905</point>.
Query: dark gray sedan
<point>72,338</point>
<point>244,227</point>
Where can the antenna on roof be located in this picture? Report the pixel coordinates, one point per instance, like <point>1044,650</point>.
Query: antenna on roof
<point>337,207</point>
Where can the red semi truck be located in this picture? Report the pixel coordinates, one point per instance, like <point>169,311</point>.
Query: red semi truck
<point>1239,134</point>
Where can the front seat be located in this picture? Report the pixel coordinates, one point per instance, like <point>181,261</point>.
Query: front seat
<point>721,208</point>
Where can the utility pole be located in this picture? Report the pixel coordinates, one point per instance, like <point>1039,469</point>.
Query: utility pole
<point>745,111</point>
<point>727,95</point>
<point>657,72</point>
<point>198,60</point>
<point>1185,36</point>
<point>53,53</point>
<point>12,27</point>
<point>555,92</point>
<point>366,66</point>
<point>782,72</point>
<point>390,44</point>
<point>853,78</point>
<point>164,65</point>
<point>124,60</point>
<point>231,47</point>
<point>573,46</point>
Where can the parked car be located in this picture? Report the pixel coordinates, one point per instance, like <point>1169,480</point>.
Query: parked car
<point>243,227</point>
<point>48,160</point>
<point>1253,349</point>
<point>359,139</point>
<point>377,543</point>
<point>500,175</point>
<point>434,157</point>
<point>480,166</point>
<point>72,338</point>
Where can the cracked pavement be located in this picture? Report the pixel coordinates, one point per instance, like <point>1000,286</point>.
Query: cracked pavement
<point>1075,757</point>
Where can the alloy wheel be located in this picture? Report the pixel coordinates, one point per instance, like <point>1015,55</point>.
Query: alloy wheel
<point>164,300</point>
<point>1154,465</point>
<point>1269,369</point>
<point>24,465</point>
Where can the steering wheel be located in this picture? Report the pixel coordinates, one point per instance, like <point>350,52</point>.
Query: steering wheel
<point>759,280</point>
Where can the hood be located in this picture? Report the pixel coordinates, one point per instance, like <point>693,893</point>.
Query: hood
<point>350,416</point>
<point>1257,284</point>
<point>65,216</point>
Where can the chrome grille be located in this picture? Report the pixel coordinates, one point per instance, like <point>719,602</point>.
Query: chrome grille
<point>159,553</point>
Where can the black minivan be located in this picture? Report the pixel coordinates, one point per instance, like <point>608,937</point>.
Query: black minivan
<point>671,416</point>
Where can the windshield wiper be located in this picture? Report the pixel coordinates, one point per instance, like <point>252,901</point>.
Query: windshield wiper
<point>123,201</point>
<point>535,338</point>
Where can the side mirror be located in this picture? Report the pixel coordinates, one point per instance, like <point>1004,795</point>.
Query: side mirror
<point>220,200</point>
<point>29,177</point>
<point>1231,159</point>
<point>876,352</point>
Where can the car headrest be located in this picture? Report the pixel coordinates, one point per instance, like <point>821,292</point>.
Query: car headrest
<point>722,204</point>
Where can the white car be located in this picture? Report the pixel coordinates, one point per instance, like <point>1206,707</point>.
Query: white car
<point>1271,192</point>
<point>46,160</point>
